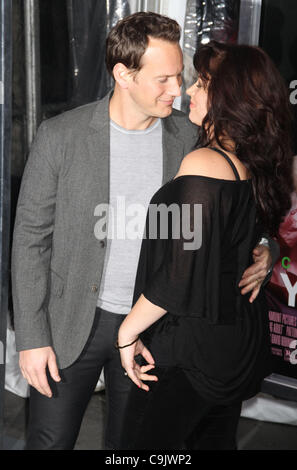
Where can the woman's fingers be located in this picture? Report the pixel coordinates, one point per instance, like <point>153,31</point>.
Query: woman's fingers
<point>133,376</point>
<point>146,368</point>
<point>142,375</point>
<point>141,349</point>
<point>138,373</point>
<point>132,369</point>
<point>147,355</point>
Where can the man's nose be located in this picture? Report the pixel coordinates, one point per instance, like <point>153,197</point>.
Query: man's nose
<point>175,87</point>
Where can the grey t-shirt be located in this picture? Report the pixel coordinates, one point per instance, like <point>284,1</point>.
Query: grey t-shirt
<point>136,166</point>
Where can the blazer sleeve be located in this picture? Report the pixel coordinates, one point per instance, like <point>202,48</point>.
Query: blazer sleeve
<point>32,244</point>
<point>274,252</point>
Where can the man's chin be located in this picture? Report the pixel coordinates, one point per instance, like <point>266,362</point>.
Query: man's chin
<point>166,111</point>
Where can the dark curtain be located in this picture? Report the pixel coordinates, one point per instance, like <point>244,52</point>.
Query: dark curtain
<point>89,23</point>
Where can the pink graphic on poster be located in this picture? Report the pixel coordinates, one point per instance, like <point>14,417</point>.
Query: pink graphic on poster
<point>281,294</point>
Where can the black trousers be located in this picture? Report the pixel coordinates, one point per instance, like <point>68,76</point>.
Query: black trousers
<point>173,416</point>
<point>54,423</point>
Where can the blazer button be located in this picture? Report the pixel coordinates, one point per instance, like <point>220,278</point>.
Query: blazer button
<point>94,288</point>
<point>102,243</point>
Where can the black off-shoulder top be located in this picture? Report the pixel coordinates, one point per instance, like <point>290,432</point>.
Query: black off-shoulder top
<point>210,330</point>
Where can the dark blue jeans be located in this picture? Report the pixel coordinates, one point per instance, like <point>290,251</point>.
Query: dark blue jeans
<point>54,423</point>
<point>173,416</point>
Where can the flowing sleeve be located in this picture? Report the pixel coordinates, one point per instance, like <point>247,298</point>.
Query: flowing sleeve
<point>183,280</point>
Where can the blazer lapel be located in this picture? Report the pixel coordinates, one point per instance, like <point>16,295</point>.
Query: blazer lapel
<point>173,149</point>
<point>98,142</point>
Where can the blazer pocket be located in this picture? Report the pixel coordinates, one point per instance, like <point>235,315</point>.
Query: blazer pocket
<point>57,284</point>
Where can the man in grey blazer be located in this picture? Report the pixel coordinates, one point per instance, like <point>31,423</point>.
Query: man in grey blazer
<point>73,281</point>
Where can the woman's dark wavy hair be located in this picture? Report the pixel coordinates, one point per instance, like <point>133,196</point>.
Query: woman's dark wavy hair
<point>248,102</point>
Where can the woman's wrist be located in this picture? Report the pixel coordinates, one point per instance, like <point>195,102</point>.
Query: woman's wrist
<point>125,337</point>
<point>119,345</point>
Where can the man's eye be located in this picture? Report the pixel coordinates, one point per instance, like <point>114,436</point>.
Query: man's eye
<point>163,80</point>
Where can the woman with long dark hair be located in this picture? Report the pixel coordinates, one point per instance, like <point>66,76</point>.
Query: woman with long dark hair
<point>206,345</point>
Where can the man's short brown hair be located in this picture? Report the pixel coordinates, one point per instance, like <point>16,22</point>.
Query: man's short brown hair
<point>128,39</point>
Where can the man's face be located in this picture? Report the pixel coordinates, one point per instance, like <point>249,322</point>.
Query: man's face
<point>153,89</point>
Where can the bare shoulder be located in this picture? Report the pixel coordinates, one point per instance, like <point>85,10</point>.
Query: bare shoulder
<point>207,162</point>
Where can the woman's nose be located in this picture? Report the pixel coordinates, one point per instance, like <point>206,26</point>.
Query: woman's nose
<point>189,91</point>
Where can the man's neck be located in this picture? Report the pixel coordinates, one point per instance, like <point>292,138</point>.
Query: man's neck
<point>126,116</point>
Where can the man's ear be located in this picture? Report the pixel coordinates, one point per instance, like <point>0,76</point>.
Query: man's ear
<point>122,75</point>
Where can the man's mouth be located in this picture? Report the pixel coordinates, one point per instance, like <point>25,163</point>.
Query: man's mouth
<point>168,102</point>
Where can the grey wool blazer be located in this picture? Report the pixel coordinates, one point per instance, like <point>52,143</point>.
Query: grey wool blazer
<point>57,261</point>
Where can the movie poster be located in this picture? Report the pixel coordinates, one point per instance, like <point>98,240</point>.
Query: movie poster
<point>282,295</point>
